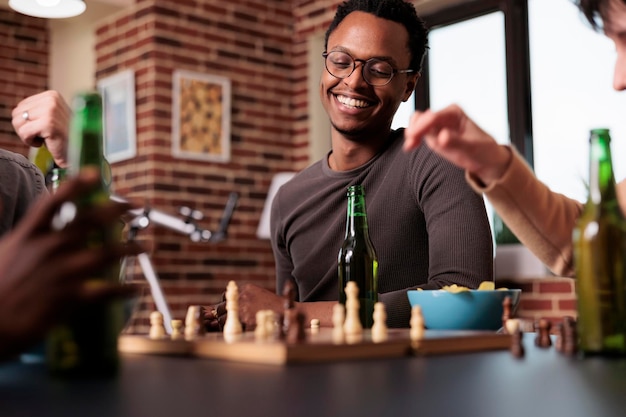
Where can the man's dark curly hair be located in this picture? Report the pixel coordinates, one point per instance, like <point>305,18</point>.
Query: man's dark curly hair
<point>399,11</point>
<point>595,11</point>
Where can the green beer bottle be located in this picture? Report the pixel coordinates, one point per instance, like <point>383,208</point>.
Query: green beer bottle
<point>85,345</point>
<point>600,258</point>
<point>357,259</point>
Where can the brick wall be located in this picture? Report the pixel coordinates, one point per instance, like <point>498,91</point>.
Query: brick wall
<point>547,297</point>
<point>23,68</point>
<point>250,42</point>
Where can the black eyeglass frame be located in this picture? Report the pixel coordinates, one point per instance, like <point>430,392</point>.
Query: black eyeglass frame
<point>364,63</point>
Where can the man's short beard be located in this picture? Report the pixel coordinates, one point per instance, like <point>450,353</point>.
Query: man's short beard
<point>354,134</point>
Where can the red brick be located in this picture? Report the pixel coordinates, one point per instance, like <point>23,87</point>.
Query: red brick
<point>556,287</point>
<point>535,304</point>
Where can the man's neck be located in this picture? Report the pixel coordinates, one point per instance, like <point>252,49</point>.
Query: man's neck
<point>350,153</point>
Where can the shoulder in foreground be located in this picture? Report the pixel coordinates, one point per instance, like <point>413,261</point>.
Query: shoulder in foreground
<point>10,158</point>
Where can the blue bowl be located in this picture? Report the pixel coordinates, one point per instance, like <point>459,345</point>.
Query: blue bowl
<point>466,310</point>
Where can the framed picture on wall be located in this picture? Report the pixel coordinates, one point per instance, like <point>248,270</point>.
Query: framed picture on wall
<point>201,116</point>
<point>118,96</point>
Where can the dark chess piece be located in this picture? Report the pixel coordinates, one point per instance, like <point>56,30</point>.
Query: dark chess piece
<point>292,328</point>
<point>513,327</point>
<point>294,333</point>
<point>570,336</point>
<point>517,347</point>
<point>542,327</point>
<point>559,342</point>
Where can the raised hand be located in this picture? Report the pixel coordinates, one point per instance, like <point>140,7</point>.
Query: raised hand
<point>453,135</point>
<point>44,118</point>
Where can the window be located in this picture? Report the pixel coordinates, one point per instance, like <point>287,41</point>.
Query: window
<point>571,74</point>
<point>478,58</point>
<point>555,83</point>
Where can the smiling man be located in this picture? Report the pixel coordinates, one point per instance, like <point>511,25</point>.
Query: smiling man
<point>428,227</point>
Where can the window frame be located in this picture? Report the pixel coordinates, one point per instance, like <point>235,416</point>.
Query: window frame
<point>517,63</point>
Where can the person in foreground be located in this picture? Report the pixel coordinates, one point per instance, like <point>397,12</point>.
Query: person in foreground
<point>38,118</point>
<point>427,225</point>
<point>43,271</point>
<point>542,220</point>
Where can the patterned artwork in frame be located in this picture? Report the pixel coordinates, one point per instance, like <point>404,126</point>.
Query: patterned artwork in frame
<point>201,116</point>
<point>118,100</point>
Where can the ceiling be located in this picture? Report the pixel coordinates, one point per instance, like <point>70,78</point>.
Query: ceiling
<point>120,3</point>
<point>423,6</point>
<point>115,2</point>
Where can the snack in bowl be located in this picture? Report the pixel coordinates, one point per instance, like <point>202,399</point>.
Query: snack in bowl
<point>459,308</point>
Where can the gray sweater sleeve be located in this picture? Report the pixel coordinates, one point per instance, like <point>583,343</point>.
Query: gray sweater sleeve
<point>21,182</point>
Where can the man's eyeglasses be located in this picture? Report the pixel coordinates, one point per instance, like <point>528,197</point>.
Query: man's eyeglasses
<point>375,71</point>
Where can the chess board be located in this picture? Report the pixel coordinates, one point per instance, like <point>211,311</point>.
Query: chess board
<point>319,346</point>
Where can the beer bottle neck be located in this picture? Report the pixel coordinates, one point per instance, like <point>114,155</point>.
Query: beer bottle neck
<point>601,176</point>
<point>86,142</point>
<point>357,217</point>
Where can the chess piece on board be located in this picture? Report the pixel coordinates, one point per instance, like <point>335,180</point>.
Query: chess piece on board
<point>379,328</point>
<point>177,329</point>
<point>315,326</point>
<point>261,329</point>
<point>338,317</point>
<point>570,336</point>
<point>514,328</point>
<point>417,323</point>
<point>193,323</point>
<point>157,329</point>
<point>543,339</point>
<point>558,343</point>
<point>295,330</point>
<point>507,304</point>
<point>293,319</point>
<point>270,323</point>
<point>352,324</point>
<point>232,326</point>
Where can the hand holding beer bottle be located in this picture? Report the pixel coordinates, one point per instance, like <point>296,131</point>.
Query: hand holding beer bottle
<point>86,344</point>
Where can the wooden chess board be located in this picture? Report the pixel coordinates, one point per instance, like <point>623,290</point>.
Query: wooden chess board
<point>319,346</point>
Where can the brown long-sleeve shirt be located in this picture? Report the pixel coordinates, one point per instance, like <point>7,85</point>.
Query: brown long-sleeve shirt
<point>429,228</point>
<point>542,220</point>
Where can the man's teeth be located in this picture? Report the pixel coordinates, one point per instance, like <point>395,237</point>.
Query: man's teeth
<point>347,101</point>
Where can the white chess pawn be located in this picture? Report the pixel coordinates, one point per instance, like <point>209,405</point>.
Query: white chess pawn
<point>193,323</point>
<point>232,325</point>
<point>352,324</point>
<point>339,315</point>
<point>157,329</point>
<point>379,328</point>
<point>315,326</point>
<point>261,330</point>
<point>417,323</point>
<point>177,329</point>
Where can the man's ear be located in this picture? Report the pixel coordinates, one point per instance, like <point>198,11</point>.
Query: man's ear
<point>411,83</point>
